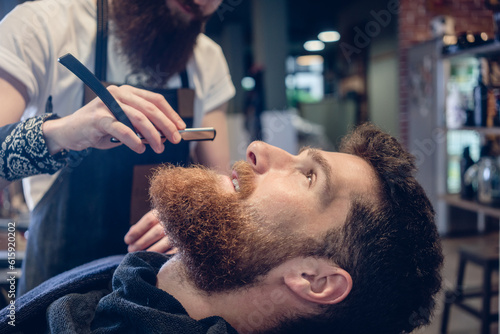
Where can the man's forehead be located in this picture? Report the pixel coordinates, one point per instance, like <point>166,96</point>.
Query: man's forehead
<point>354,172</point>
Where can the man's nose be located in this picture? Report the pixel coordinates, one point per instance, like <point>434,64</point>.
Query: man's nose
<point>263,157</point>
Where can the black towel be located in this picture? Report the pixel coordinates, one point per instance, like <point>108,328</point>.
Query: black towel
<point>86,304</point>
<point>30,308</point>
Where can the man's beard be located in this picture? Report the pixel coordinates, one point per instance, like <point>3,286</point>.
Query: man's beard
<point>224,243</point>
<point>156,42</point>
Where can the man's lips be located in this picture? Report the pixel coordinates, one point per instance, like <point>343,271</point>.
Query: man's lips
<point>187,8</point>
<point>240,180</point>
<point>235,180</point>
<point>230,183</point>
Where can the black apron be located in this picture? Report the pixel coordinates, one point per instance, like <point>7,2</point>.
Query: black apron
<point>87,211</point>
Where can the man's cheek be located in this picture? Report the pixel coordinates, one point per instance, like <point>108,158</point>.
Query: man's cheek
<point>282,212</point>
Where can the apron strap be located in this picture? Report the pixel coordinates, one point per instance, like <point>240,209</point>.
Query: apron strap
<point>184,78</point>
<point>101,54</point>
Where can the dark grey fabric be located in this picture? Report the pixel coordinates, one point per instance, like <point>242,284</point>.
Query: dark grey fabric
<point>29,311</point>
<point>80,301</point>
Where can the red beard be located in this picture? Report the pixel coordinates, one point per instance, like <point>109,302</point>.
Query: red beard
<point>224,243</point>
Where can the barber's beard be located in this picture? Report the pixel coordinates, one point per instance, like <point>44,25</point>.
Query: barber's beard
<point>156,42</point>
<point>224,243</point>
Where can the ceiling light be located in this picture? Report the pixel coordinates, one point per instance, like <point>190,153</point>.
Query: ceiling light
<point>314,45</point>
<point>449,39</point>
<point>329,36</point>
<point>309,60</point>
<point>471,38</point>
<point>248,83</point>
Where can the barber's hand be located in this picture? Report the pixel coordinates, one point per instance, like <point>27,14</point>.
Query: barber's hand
<point>94,125</point>
<point>148,234</point>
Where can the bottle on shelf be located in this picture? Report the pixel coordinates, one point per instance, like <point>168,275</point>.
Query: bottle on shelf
<point>492,108</point>
<point>485,177</point>
<point>496,118</point>
<point>455,111</point>
<point>466,190</point>
<point>480,95</point>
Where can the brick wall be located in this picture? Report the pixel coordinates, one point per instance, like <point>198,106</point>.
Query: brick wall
<point>414,27</point>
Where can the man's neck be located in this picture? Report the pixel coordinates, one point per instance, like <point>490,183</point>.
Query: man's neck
<point>172,279</point>
<point>235,307</point>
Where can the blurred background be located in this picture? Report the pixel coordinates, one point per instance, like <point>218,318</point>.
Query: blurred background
<point>426,71</point>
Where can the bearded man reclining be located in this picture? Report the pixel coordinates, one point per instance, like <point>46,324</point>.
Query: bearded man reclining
<point>318,242</point>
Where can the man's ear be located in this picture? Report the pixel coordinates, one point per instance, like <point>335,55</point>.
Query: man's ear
<point>318,281</point>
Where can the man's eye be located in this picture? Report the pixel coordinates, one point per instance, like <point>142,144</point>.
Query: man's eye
<point>310,176</point>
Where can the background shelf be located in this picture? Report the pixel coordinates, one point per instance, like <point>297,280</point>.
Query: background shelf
<point>482,130</point>
<point>457,201</point>
<point>491,47</point>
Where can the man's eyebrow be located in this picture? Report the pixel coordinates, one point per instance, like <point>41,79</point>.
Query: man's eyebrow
<point>327,192</point>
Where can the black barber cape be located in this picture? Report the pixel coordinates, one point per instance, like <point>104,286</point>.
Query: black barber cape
<point>112,295</point>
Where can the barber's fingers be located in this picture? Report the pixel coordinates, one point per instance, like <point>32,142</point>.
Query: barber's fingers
<point>136,112</point>
<point>163,246</point>
<point>148,234</point>
<point>140,228</point>
<point>143,107</point>
<point>122,133</point>
<point>144,126</point>
<point>162,105</point>
<point>149,238</point>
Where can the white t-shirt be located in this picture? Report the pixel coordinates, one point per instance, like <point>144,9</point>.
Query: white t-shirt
<point>35,34</point>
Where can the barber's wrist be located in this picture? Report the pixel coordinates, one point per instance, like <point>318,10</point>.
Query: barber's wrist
<point>53,132</point>
<point>57,140</point>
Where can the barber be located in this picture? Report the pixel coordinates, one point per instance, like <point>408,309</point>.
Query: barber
<point>83,212</point>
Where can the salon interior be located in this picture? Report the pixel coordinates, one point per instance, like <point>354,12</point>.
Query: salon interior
<point>307,72</point>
